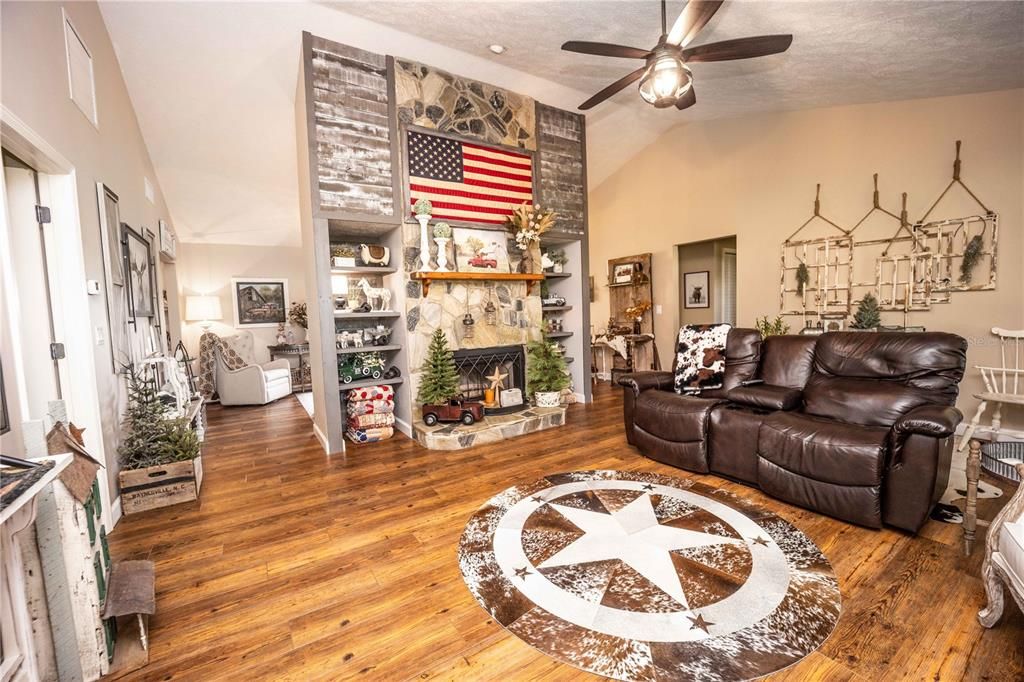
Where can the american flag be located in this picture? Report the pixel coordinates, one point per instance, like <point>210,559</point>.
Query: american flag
<point>466,181</point>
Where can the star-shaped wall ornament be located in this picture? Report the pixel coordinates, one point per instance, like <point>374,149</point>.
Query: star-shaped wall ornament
<point>699,622</point>
<point>497,379</point>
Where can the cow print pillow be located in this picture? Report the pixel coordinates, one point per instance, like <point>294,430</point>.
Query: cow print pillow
<point>700,357</point>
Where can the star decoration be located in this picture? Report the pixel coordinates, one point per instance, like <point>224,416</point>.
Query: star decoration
<point>760,541</point>
<point>632,535</point>
<point>538,498</point>
<point>699,622</point>
<point>648,486</point>
<point>523,572</point>
<point>497,379</point>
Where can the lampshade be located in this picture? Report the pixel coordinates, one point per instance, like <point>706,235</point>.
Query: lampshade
<point>339,285</point>
<point>202,308</point>
<point>666,80</point>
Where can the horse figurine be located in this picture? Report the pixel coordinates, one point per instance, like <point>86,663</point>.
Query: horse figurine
<point>374,254</point>
<point>344,338</point>
<point>375,294</point>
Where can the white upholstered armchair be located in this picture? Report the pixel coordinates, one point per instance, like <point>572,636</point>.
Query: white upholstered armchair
<point>241,381</point>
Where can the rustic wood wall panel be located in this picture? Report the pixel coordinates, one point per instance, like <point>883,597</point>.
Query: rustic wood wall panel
<point>560,162</point>
<point>353,131</point>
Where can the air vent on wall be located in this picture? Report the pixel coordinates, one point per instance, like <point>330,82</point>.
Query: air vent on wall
<point>81,83</point>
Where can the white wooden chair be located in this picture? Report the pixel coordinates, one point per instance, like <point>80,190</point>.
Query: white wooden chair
<point>1003,385</point>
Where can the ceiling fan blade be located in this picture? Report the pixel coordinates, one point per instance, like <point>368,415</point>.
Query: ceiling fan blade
<point>692,19</point>
<point>614,88</point>
<point>605,49</point>
<point>740,48</point>
<point>687,100</point>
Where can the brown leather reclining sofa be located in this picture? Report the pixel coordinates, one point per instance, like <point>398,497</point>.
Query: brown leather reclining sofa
<point>855,425</point>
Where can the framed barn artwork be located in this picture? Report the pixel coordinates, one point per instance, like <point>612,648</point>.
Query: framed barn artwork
<point>259,301</point>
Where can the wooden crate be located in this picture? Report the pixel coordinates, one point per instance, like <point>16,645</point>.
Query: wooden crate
<point>160,486</point>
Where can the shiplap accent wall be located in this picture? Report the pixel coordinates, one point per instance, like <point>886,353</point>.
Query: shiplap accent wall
<point>353,129</point>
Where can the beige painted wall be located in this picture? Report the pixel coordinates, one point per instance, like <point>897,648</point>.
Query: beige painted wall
<point>207,269</point>
<point>755,178</point>
<point>35,89</point>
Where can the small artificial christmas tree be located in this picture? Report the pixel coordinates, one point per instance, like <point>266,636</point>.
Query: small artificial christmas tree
<point>151,438</point>
<point>440,381</point>
<point>867,315</point>
<point>545,368</point>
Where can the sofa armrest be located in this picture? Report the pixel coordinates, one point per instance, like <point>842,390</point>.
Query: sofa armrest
<point>766,397</point>
<point>639,382</point>
<point>938,421</point>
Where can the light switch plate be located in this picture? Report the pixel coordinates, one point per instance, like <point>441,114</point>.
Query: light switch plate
<point>92,287</point>
<point>657,309</point>
<point>101,336</point>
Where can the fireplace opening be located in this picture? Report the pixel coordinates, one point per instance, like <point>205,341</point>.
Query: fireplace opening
<point>477,365</point>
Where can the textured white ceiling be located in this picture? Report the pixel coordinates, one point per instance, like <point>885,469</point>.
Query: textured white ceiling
<point>213,84</point>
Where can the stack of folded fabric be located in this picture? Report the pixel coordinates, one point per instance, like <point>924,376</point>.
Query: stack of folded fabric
<point>370,414</point>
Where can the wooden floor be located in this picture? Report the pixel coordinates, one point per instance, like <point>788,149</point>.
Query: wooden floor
<point>298,566</point>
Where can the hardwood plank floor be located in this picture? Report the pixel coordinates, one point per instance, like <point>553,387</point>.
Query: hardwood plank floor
<point>298,566</point>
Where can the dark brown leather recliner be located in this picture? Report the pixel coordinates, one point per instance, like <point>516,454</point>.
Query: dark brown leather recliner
<point>855,425</point>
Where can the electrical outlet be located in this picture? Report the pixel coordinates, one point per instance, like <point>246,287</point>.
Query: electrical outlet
<point>101,336</point>
<point>657,309</point>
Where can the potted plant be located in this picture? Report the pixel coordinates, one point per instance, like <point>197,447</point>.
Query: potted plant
<point>298,316</point>
<point>558,260</point>
<point>423,210</point>
<point>442,234</point>
<point>160,455</point>
<point>868,316</point>
<point>776,327</point>
<point>546,373</point>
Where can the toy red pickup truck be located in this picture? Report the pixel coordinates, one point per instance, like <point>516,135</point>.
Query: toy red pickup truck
<point>455,410</point>
<point>481,262</point>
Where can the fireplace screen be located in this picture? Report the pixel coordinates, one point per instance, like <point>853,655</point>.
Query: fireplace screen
<point>477,369</point>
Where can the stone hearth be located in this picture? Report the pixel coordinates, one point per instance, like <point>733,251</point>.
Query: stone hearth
<point>492,429</point>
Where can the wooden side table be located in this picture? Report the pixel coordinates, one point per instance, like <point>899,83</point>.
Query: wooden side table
<point>300,351</point>
<point>971,507</point>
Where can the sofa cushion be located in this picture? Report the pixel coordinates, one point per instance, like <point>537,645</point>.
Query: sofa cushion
<point>787,360</point>
<point>673,417</point>
<point>732,448</point>
<point>1011,546</point>
<point>766,397</point>
<point>824,450</point>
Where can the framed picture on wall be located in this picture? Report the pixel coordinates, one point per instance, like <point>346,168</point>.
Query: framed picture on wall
<point>623,273</point>
<point>138,265</point>
<point>481,250</point>
<point>259,301</point>
<point>696,289</point>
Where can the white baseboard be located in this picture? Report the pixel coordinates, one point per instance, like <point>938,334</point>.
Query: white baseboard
<point>404,427</point>
<point>320,437</point>
<point>580,398</point>
<point>115,512</point>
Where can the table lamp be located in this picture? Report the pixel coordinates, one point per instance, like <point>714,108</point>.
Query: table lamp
<point>202,309</point>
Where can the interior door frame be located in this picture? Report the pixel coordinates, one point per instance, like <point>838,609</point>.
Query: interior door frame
<point>720,299</point>
<point>58,189</point>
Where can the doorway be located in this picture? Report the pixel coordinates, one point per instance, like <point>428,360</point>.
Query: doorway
<point>707,281</point>
<point>32,330</point>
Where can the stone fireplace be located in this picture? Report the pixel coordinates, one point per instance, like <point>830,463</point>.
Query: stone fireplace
<point>475,365</point>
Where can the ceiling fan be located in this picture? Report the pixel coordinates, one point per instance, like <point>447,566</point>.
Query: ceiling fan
<point>665,78</point>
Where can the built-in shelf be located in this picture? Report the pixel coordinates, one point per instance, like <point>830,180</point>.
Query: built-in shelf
<point>559,335</point>
<point>341,315</point>
<point>368,349</point>
<point>427,277</point>
<point>556,308</point>
<point>370,382</point>
<point>557,275</point>
<point>365,270</point>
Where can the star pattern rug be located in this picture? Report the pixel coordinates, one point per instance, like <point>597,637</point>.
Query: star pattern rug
<point>638,576</point>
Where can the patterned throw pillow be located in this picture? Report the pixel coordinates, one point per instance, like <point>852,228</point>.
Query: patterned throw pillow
<point>700,357</point>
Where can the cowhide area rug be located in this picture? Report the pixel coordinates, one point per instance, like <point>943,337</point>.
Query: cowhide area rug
<point>946,510</point>
<point>637,576</point>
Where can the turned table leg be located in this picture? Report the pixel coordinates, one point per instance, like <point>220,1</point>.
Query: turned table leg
<point>971,507</point>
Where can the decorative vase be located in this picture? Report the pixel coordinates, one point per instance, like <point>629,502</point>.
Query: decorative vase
<point>535,259</point>
<point>547,398</point>
<point>557,268</point>
<point>424,219</point>
<point>299,335</point>
<point>442,253</point>
<point>636,327</point>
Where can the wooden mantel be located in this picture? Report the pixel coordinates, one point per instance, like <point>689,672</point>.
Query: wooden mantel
<point>427,277</point>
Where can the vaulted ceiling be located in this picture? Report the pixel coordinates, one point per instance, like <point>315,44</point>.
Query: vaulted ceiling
<point>213,84</point>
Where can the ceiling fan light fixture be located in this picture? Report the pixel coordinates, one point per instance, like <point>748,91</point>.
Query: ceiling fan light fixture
<point>665,81</point>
